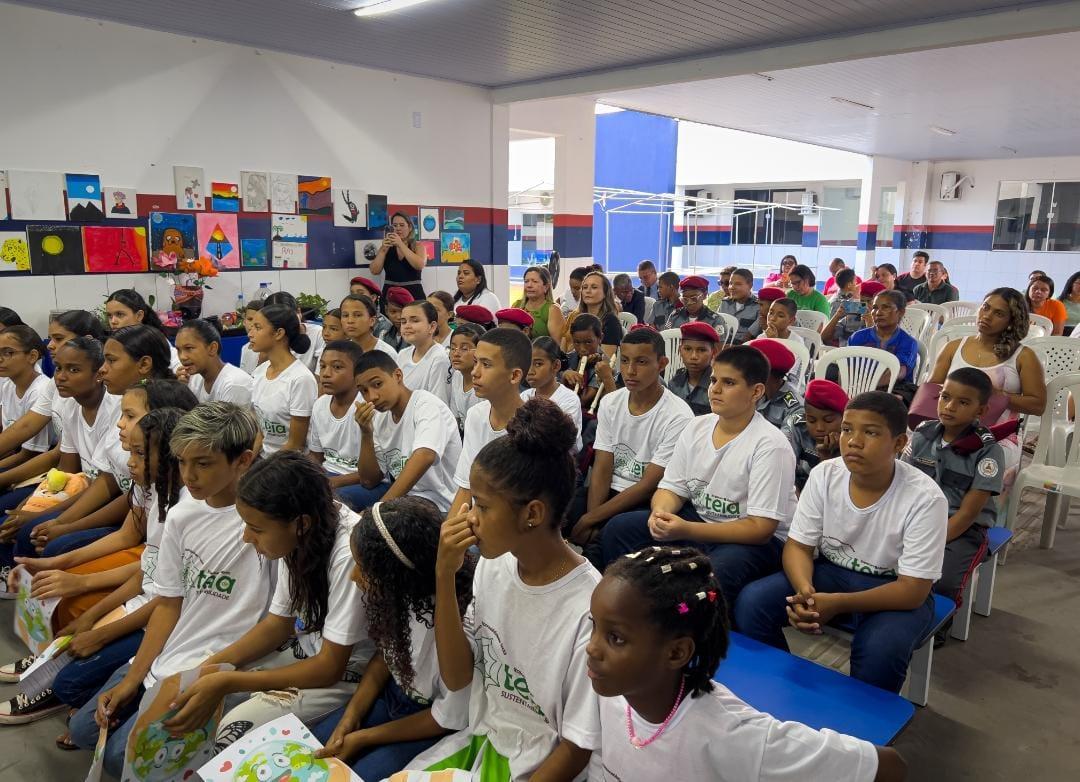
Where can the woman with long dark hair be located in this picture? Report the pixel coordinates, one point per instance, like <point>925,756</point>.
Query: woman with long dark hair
<point>127,307</point>
<point>1070,297</point>
<point>135,353</point>
<point>472,287</point>
<point>598,298</point>
<point>283,389</point>
<point>401,257</point>
<point>1040,301</point>
<point>290,515</point>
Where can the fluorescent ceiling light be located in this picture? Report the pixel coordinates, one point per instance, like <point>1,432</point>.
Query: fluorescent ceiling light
<point>376,7</point>
<point>942,131</point>
<point>855,103</point>
<point>1010,150</point>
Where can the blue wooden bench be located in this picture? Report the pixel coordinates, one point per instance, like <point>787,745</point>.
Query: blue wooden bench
<point>791,688</point>
<point>979,591</point>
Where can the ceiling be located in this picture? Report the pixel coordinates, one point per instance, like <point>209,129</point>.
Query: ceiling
<point>498,43</point>
<point>1020,95</point>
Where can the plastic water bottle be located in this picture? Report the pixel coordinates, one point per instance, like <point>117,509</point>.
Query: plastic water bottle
<point>240,301</point>
<point>264,291</point>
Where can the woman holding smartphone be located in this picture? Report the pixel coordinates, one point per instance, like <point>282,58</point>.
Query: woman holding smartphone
<point>401,257</point>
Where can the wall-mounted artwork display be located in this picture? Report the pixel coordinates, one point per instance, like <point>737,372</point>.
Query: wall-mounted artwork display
<point>366,250</point>
<point>429,222</point>
<point>190,184</point>
<point>290,255</point>
<point>289,245</point>
<point>225,196</point>
<point>55,249</point>
<point>429,247</point>
<point>456,247</point>
<point>172,238</point>
<point>109,249</point>
<point>36,195</point>
<point>253,252</point>
<point>314,195</point>
<point>283,193</point>
<point>120,203</point>
<point>83,198</point>
<point>219,239</point>
<point>453,219</point>
<point>350,207</point>
<point>14,254</point>
<point>3,196</point>
<point>255,187</point>
<point>376,209</point>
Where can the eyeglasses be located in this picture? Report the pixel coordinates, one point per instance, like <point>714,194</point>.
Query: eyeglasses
<point>8,353</point>
<point>694,296</point>
<point>462,348</point>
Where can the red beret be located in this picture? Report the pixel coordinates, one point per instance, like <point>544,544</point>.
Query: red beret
<point>699,330</point>
<point>399,296</point>
<point>474,313</point>
<point>780,358</point>
<point>771,294</point>
<point>371,285</point>
<point>826,395</point>
<point>870,288</point>
<point>640,326</point>
<point>515,315</point>
<point>694,281</point>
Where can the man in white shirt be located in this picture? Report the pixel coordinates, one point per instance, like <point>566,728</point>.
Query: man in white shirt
<point>880,526</point>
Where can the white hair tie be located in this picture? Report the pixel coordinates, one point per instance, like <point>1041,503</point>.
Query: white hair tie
<point>381,526</point>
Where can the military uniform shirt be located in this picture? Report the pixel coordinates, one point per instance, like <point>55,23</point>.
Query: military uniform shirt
<point>748,313</point>
<point>786,403</point>
<point>698,396</point>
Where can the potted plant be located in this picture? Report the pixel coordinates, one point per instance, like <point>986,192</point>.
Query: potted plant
<point>312,305</point>
<point>189,284</point>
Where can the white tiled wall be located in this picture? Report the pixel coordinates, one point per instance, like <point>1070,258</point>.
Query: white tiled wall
<point>761,259</point>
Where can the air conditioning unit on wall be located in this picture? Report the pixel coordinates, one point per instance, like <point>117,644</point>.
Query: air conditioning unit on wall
<point>951,184</point>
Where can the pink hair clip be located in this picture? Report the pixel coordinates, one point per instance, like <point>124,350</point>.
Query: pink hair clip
<point>684,608</point>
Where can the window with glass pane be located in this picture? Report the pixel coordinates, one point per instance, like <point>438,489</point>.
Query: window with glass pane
<point>1038,216</point>
<point>768,226</point>
<point>886,217</point>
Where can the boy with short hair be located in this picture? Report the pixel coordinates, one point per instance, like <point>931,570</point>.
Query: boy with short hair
<point>210,586</point>
<point>781,399</point>
<point>586,333</point>
<point>503,357</point>
<point>408,439</point>
<point>780,319</point>
<point>636,431</point>
<point>969,473</point>
<point>333,439</point>
<point>880,527</point>
<point>667,288</point>
<point>847,308</point>
<point>699,346</point>
<point>742,305</point>
<point>730,480</point>
<point>692,291</point>
<point>814,431</point>
<point>766,296</point>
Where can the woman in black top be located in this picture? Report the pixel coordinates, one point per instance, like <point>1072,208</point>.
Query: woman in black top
<point>402,257</point>
<point>597,298</point>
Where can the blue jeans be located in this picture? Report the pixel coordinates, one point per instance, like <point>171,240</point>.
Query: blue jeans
<point>359,498</point>
<point>380,762</point>
<point>884,640</point>
<point>10,500</point>
<point>74,540</point>
<point>21,545</point>
<point>84,731</point>
<point>80,680</point>
<point>735,564</point>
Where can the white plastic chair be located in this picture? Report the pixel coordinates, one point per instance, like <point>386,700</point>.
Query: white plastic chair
<point>1043,321</point>
<point>812,338</point>
<point>811,319</point>
<point>650,305</point>
<point>1035,331</point>
<point>860,368</point>
<point>960,320</point>
<point>1059,356</point>
<point>944,336</point>
<point>730,329</point>
<point>956,308</point>
<point>672,341</point>
<point>1060,476</point>
<point>916,322</point>
<point>628,321</point>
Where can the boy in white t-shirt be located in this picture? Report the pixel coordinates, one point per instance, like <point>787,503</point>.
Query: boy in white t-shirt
<point>502,359</point>
<point>636,430</point>
<point>729,488</point>
<point>880,527</point>
<point>408,438</point>
<point>333,437</point>
<point>210,586</point>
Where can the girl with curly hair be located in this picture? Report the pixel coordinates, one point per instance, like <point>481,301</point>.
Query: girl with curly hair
<point>1014,369</point>
<point>402,706</point>
<point>290,515</point>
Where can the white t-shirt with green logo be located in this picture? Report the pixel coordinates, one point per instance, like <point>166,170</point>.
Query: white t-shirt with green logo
<point>346,620</point>
<point>155,528</point>
<point>426,423</point>
<point>427,374</point>
<point>337,439</point>
<point>568,402</point>
<point>752,475</point>
<point>13,407</point>
<point>637,441</point>
<point>224,583</point>
<point>291,393</point>
<point>231,385</point>
<point>902,534</point>
<point>478,433</point>
<point>449,709</point>
<point>90,442</point>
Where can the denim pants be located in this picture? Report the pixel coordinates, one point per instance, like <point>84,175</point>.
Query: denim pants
<point>84,731</point>
<point>11,499</point>
<point>80,680</point>
<point>380,762</point>
<point>75,540</point>
<point>735,564</point>
<point>360,498</point>
<point>883,642</point>
<point>21,545</point>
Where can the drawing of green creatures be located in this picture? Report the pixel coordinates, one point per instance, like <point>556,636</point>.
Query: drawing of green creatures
<point>279,760</point>
<point>159,757</point>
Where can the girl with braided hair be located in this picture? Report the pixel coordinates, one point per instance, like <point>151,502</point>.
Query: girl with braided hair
<point>659,632</point>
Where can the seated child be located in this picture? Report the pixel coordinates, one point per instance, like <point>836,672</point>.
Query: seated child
<point>970,477</point>
<point>780,319</point>
<point>692,291</point>
<point>408,439</point>
<point>308,356</point>
<point>729,486</point>
<point>699,346</point>
<point>424,363</point>
<point>249,357</point>
<point>585,334</point>
<point>476,315</point>
<point>396,300</point>
<point>781,399</point>
<point>879,525</point>
<point>667,291</point>
<point>283,390</point>
<point>515,318</point>
<point>372,291</point>
<point>198,344</point>
<point>331,326</point>
<point>462,395</point>
<point>333,438</point>
<point>636,431</point>
<point>20,387</point>
<point>358,321</point>
<point>665,603</point>
<point>743,305</point>
<point>766,297</point>
<point>814,431</point>
<point>848,308</point>
<point>543,379</point>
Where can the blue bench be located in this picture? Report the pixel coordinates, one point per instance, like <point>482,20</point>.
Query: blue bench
<point>791,688</point>
<point>979,591</point>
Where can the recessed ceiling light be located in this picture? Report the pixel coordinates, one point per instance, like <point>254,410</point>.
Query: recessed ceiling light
<point>764,76</point>
<point>1010,150</point>
<point>942,131</point>
<point>855,103</point>
<point>375,7</point>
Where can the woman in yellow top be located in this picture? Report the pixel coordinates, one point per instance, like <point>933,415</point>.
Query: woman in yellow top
<point>1040,302</point>
<point>547,318</point>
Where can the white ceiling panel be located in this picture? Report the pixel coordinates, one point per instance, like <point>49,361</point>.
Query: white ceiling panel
<point>507,42</point>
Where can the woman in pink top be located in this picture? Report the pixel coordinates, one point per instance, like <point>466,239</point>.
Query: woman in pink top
<point>780,279</point>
